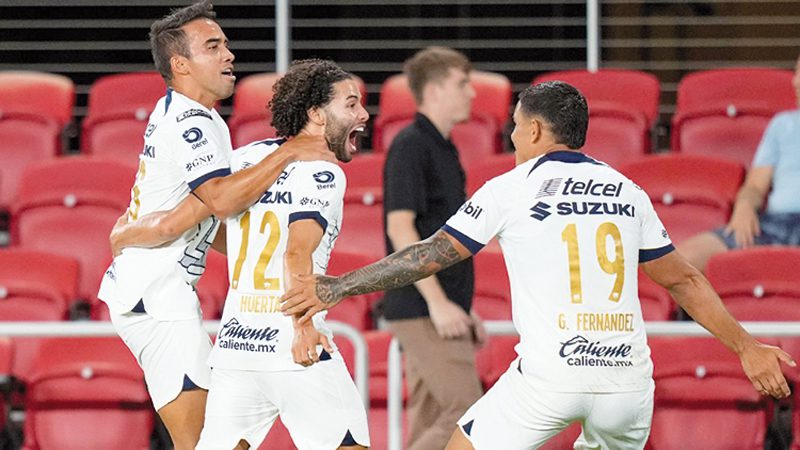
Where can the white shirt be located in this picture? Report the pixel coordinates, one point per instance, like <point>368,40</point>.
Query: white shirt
<point>254,334</point>
<point>573,232</point>
<point>185,144</point>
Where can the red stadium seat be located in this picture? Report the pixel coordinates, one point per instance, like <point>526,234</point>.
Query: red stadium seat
<point>357,310</point>
<point>212,289</point>
<point>34,286</point>
<point>68,207</point>
<point>493,359</point>
<point>564,439</point>
<point>364,179</point>
<point>691,194</point>
<point>623,109</point>
<point>478,137</point>
<point>278,438</point>
<point>87,393</point>
<point>627,90</point>
<point>492,299</point>
<point>362,231</point>
<point>34,109</point>
<point>488,168</point>
<point>724,112</point>
<point>119,107</point>
<point>705,389</point>
<point>251,118</point>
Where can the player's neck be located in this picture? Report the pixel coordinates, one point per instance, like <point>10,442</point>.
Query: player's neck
<point>193,92</point>
<point>442,123</point>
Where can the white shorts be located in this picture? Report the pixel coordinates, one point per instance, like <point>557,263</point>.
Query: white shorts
<point>514,414</point>
<point>168,352</point>
<point>318,405</point>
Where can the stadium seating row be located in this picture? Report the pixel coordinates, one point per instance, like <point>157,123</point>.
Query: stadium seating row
<point>77,381</point>
<point>719,113</point>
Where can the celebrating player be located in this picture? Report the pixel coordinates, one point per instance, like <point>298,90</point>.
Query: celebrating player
<point>573,233</point>
<point>187,146</point>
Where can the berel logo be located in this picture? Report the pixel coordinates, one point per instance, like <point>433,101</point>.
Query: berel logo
<point>192,135</point>
<point>324,177</point>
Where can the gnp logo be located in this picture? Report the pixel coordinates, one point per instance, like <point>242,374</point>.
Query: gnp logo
<point>192,135</point>
<point>539,211</point>
<point>324,177</point>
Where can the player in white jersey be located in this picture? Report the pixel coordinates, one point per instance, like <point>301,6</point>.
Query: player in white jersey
<point>262,360</point>
<point>573,233</point>
<point>149,291</point>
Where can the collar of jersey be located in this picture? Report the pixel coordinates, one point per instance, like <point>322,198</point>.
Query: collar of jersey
<point>565,156</point>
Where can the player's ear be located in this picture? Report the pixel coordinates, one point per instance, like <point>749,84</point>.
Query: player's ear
<point>536,130</point>
<point>316,115</point>
<point>179,65</point>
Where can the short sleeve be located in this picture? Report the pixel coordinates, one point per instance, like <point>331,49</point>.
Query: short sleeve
<point>768,149</point>
<point>404,184</point>
<point>199,148</point>
<point>319,192</point>
<point>477,221</point>
<point>655,241</point>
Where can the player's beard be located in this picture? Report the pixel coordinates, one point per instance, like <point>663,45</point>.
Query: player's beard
<point>337,136</point>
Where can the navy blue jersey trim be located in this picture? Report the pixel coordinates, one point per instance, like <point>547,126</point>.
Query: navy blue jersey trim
<point>313,215</point>
<point>472,245</point>
<point>565,156</point>
<point>214,174</point>
<point>168,100</point>
<point>271,141</point>
<point>655,253</point>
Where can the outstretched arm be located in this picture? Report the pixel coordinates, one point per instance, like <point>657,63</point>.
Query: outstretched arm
<point>692,291</point>
<point>417,261</point>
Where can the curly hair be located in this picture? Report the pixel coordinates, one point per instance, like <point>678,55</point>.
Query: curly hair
<point>168,39</point>
<point>307,84</point>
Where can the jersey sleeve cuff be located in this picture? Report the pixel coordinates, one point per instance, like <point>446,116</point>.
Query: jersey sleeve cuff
<point>472,245</point>
<point>194,184</point>
<point>654,253</point>
<point>313,215</point>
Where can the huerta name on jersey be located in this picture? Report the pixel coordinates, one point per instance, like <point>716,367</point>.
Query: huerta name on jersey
<point>185,144</point>
<point>256,336</point>
<point>572,231</point>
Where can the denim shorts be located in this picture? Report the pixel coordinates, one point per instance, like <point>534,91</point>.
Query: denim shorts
<point>776,229</point>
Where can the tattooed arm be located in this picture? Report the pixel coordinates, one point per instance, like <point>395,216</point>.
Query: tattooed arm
<point>315,293</point>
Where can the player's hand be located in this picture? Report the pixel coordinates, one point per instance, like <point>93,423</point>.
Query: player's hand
<point>744,226</point>
<point>762,366</point>
<point>304,299</point>
<point>305,147</point>
<point>480,336</point>
<point>449,319</point>
<point>304,344</point>
<point>112,238</point>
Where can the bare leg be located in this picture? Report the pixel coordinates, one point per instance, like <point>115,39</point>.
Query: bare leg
<point>353,447</point>
<point>242,445</point>
<point>700,248</point>
<point>183,418</point>
<point>459,442</point>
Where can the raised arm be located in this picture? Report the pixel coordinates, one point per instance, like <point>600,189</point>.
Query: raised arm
<point>692,291</point>
<point>232,194</point>
<point>417,261</point>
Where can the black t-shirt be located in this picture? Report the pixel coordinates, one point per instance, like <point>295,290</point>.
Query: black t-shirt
<point>423,174</point>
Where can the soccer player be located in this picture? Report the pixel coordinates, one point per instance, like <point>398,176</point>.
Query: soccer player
<point>573,232</point>
<point>187,147</point>
<point>263,362</point>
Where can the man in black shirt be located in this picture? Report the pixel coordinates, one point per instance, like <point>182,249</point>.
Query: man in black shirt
<point>423,186</point>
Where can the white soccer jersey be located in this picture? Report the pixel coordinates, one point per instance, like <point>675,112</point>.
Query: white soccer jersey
<point>254,334</point>
<point>185,144</point>
<point>572,231</point>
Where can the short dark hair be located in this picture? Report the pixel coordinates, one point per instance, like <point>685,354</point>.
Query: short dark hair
<point>168,39</point>
<point>432,64</point>
<point>307,84</point>
<point>562,106</point>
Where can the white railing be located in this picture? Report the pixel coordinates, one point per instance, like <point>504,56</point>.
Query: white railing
<point>395,368</point>
<point>85,329</point>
